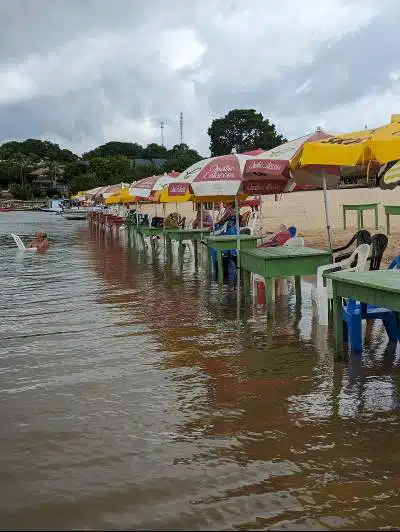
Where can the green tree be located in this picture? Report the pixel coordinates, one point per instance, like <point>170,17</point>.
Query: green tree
<point>113,148</point>
<point>22,192</point>
<point>144,170</point>
<point>74,169</point>
<point>180,157</point>
<point>85,181</point>
<point>155,151</point>
<point>243,129</point>
<point>112,170</point>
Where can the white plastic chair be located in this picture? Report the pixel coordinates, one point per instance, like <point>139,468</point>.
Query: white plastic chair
<point>253,221</point>
<point>20,244</point>
<point>322,294</point>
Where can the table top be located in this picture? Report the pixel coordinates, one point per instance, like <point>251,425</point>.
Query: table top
<point>285,252</point>
<point>386,280</point>
<point>392,207</point>
<point>359,205</point>
<point>199,231</point>
<point>226,238</point>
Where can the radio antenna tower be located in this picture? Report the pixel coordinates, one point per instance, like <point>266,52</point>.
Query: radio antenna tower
<point>162,132</point>
<point>181,128</point>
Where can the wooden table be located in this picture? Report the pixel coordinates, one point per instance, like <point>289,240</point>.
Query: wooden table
<point>185,234</point>
<point>380,287</point>
<point>226,242</point>
<point>281,262</point>
<point>391,209</point>
<point>360,208</point>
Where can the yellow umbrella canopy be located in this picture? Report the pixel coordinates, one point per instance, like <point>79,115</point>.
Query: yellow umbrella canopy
<point>80,194</point>
<point>163,196</point>
<point>121,196</point>
<point>381,144</point>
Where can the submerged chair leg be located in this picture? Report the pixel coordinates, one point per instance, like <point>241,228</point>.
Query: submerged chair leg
<point>392,330</point>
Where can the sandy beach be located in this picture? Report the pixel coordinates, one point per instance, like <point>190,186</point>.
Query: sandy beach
<point>305,210</point>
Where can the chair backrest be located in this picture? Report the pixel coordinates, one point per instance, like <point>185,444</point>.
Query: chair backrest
<point>379,243</point>
<point>222,230</point>
<point>253,221</point>
<point>361,237</point>
<point>189,224</point>
<point>18,241</point>
<point>357,259</point>
<point>395,264</point>
<point>295,242</point>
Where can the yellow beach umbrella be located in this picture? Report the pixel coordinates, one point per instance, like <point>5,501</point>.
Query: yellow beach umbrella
<point>163,196</point>
<point>381,144</point>
<point>122,196</point>
<point>80,194</point>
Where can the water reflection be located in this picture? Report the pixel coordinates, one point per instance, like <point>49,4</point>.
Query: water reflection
<point>134,396</point>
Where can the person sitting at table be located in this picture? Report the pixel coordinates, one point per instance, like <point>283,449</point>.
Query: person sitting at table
<point>174,221</point>
<point>280,237</point>
<point>227,213</point>
<point>207,218</point>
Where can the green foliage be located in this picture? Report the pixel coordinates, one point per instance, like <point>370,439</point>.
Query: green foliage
<point>114,148</point>
<point>36,149</point>
<point>154,151</point>
<point>85,181</point>
<point>144,170</point>
<point>111,170</point>
<point>243,129</point>
<point>22,192</point>
<point>180,157</point>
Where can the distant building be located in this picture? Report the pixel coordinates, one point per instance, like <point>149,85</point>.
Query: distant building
<point>147,162</point>
<point>44,181</point>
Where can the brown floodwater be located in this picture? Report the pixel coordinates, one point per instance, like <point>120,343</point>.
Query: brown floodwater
<point>137,396</point>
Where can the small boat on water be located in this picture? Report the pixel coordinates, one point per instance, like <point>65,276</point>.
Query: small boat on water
<point>53,205</point>
<point>75,213</point>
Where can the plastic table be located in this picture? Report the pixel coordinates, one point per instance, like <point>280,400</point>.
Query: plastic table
<point>225,242</point>
<point>281,262</point>
<point>380,287</point>
<point>185,234</point>
<point>391,209</point>
<point>360,208</point>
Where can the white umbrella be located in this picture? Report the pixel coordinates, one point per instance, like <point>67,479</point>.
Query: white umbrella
<point>145,187</point>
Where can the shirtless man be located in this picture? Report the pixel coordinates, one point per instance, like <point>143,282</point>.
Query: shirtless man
<point>40,242</point>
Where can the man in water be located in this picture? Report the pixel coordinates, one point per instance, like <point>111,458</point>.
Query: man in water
<point>40,242</point>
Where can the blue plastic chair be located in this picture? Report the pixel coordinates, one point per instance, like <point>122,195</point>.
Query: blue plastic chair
<point>354,312</point>
<point>395,264</point>
<point>229,255</point>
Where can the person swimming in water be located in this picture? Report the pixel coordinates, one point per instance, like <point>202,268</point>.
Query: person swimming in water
<point>41,242</point>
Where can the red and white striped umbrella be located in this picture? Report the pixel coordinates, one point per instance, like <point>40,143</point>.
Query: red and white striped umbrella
<point>222,176</point>
<point>145,187</point>
<point>283,159</point>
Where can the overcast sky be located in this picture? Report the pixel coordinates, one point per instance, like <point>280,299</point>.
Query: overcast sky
<point>83,72</point>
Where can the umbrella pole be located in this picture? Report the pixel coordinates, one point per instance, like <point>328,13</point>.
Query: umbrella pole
<point>137,221</point>
<point>328,225</point>
<point>237,245</point>
<point>201,233</point>
<point>213,216</point>
<point>260,213</point>
<point>165,243</point>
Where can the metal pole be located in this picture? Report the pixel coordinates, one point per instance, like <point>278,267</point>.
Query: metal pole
<point>213,217</point>
<point>237,245</point>
<point>328,225</point>
<point>201,233</point>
